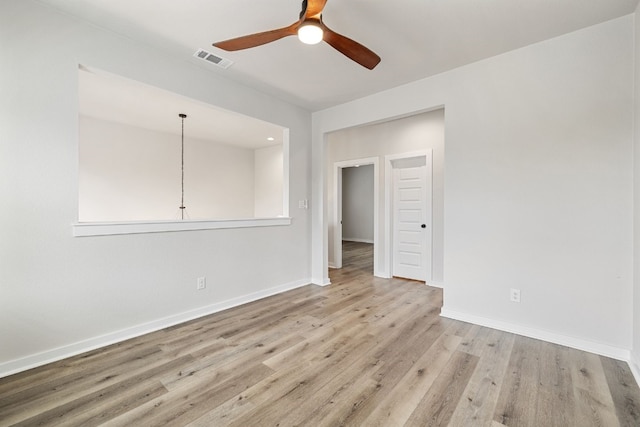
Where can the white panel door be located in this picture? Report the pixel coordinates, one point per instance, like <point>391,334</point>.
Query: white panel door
<point>411,246</point>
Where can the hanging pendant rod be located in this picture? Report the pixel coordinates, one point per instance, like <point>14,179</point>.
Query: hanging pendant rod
<point>182,207</point>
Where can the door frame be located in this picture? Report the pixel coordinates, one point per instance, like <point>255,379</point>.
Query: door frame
<point>388,205</point>
<point>337,209</point>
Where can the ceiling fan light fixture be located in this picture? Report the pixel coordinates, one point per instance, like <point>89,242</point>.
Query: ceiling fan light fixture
<point>310,33</point>
<point>310,29</point>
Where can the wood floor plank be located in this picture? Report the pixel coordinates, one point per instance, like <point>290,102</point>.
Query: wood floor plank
<point>340,387</point>
<point>555,387</point>
<point>75,386</point>
<point>223,414</point>
<point>187,405</point>
<point>438,405</point>
<point>515,405</point>
<point>592,399</point>
<point>83,365</point>
<point>461,329</point>
<point>346,298</point>
<point>363,351</point>
<point>398,358</point>
<point>109,401</point>
<point>398,405</point>
<point>251,311</point>
<point>476,340</point>
<point>294,384</point>
<point>275,315</point>
<point>212,362</point>
<point>366,302</point>
<point>90,411</point>
<point>333,383</point>
<point>481,394</point>
<point>624,391</point>
<point>315,342</point>
<point>205,371</point>
<point>338,411</point>
<point>324,331</point>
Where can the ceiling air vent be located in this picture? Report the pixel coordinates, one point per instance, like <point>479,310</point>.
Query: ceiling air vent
<point>210,57</point>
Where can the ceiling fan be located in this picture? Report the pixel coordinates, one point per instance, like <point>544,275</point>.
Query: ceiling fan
<point>311,30</point>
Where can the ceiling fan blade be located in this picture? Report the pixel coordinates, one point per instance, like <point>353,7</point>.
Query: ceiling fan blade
<point>258,39</point>
<point>314,8</point>
<point>351,49</point>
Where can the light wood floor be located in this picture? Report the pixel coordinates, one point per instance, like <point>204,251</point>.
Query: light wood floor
<point>361,352</point>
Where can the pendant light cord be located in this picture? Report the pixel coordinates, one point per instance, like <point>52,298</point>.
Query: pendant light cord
<point>182,207</point>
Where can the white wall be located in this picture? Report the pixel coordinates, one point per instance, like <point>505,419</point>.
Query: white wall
<point>268,181</point>
<point>60,294</point>
<point>635,354</point>
<point>538,185</point>
<point>357,204</point>
<point>133,174</point>
<point>406,135</point>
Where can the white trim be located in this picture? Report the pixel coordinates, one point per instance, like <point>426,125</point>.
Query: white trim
<point>320,282</point>
<point>18,365</point>
<point>285,173</point>
<point>83,229</point>
<point>552,337</point>
<point>635,368</point>
<point>435,284</point>
<point>337,209</point>
<point>357,240</point>
<point>319,212</point>
<point>337,217</point>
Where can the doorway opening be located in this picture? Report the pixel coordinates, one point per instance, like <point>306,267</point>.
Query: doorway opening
<point>357,218</point>
<point>387,142</point>
<point>355,210</point>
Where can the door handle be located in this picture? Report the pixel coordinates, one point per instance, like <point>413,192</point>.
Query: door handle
<point>423,226</point>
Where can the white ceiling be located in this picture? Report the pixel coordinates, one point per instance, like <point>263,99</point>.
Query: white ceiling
<point>116,99</point>
<point>414,38</point>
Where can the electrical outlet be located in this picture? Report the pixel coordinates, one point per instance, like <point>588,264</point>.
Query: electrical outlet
<point>202,283</point>
<point>514,295</point>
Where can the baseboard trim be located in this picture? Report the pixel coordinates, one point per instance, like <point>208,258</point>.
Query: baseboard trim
<point>32,361</point>
<point>321,282</point>
<point>382,274</point>
<point>357,240</point>
<point>565,340</point>
<point>435,284</point>
<point>635,368</point>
